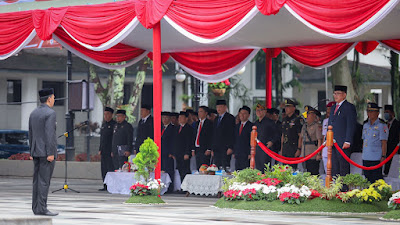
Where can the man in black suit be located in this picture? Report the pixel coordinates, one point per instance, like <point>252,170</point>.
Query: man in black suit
<point>184,143</point>
<point>241,148</point>
<point>343,118</point>
<point>105,149</point>
<point>122,140</point>
<point>224,135</point>
<point>43,150</point>
<point>167,145</point>
<point>278,123</point>
<point>203,139</point>
<point>145,127</point>
<point>394,133</point>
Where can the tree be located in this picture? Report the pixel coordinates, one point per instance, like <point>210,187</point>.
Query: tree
<point>395,80</point>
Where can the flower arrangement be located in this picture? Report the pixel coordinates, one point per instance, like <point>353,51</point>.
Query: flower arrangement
<point>394,201</point>
<point>203,169</point>
<point>249,192</point>
<point>270,182</point>
<point>20,156</point>
<point>292,194</point>
<point>146,159</point>
<point>153,187</point>
<point>126,167</point>
<point>212,169</point>
<point>220,85</point>
<point>384,189</point>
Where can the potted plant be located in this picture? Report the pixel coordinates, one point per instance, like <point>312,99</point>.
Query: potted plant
<point>219,88</point>
<point>146,159</point>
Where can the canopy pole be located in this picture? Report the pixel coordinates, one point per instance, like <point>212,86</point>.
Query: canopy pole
<point>157,93</point>
<point>268,79</point>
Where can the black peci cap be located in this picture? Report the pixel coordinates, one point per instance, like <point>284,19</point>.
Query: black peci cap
<point>221,102</point>
<point>165,114</point>
<point>341,88</point>
<point>145,106</point>
<point>46,92</point>
<point>121,111</point>
<point>108,109</point>
<point>389,107</point>
<point>245,108</point>
<point>183,113</point>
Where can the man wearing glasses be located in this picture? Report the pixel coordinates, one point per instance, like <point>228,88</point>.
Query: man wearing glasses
<point>343,118</point>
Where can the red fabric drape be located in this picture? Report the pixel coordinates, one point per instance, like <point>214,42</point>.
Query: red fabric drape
<point>85,24</point>
<point>211,62</point>
<point>395,44</point>
<point>268,7</point>
<point>336,16</point>
<point>150,12</point>
<point>317,55</point>
<point>14,29</point>
<point>164,57</point>
<point>47,21</point>
<point>366,47</point>
<point>116,54</point>
<point>208,18</point>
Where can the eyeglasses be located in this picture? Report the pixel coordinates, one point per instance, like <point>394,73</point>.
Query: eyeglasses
<point>338,93</point>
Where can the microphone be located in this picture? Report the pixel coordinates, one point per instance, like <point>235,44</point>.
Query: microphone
<point>84,123</point>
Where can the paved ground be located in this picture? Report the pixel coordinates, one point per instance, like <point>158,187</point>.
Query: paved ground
<point>93,207</point>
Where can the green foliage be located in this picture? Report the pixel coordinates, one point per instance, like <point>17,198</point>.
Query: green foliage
<point>147,199</point>
<point>354,181</point>
<point>394,214</point>
<point>300,179</point>
<point>130,118</point>
<point>218,85</point>
<point>146,159</point>
<point>248,175</point>
<point>315,183</point>
<point>281,172</point>
<point>333,190</point>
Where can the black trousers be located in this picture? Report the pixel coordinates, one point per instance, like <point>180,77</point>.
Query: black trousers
<point>201,158</point>
<point>372,175</point>
<point>289,150</point>
<point>183,167</point>
<point>107,165</point>
<point>242,162</point>
<point>312,166</point>
<point>43,170</point>
<point>261,158</point>
<point>221,159</point>
<point>339,164</point>
<point>118,160</point>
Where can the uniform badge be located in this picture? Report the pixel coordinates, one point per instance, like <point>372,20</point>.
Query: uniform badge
<point>291,124</point>
<point>109,126</point>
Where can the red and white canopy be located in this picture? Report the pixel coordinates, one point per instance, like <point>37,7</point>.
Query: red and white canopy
<point>210,39</point>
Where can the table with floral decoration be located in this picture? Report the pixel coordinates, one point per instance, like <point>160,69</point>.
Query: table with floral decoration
<point>120,182</point>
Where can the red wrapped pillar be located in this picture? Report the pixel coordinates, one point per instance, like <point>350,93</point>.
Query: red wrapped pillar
<point>157,93</point>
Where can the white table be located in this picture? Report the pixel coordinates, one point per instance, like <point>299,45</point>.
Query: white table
<point>202,184</point>
<point>120,182</point>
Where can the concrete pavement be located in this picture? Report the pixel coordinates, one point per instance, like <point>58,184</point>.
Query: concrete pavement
<point>94,207</point>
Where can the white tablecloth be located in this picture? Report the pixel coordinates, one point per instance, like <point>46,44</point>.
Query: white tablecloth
<point>202,184</point>
<point>120,182</point>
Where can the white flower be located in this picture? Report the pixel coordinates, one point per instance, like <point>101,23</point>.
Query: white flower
<point>155,184</point>
<point>394,196</point>
<point>269,189</point>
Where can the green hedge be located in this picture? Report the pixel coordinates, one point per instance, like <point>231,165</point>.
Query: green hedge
<point>147,199</point>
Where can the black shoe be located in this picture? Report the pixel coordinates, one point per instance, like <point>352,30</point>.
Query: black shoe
<point>48,213</point>
<point>103,189</point>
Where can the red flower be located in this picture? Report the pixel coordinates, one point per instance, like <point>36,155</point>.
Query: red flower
<point>314,194</point>
<point>397,200</point>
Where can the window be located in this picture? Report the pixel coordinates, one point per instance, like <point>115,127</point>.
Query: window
<point>59,88</point>
<point>260,75</point>
<point>13,91</point>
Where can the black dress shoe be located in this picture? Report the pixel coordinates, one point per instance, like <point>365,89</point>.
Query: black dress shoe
<point>48,213</point>
<point>103,189</point>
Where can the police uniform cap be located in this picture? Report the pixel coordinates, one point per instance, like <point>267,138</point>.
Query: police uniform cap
<point>341,88</point>
<point>310,109</point>
<point>108,109</point>
<point>183,113</point>
<point>121,111</point>
<point>389,107</point>
<point>221,102</point>
<point>290,102</point>
<point>373,107</point>
<point>145,106</point>
<point>46,92</point>
<point>165,114</point>
<point>245,107</point>
<point>259,106</point>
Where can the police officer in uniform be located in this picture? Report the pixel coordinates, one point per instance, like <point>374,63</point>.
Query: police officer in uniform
<point>375,136</point>
<point>122,139</point>
<point>291,129</point>
<point>105,149</point>
<point>311,139</point>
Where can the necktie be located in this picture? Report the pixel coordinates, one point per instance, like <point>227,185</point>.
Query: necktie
<point>162,132</point>
<point>180,129</point>
<point>219,120</point>
<point>240,130</point>
<point>388,125</point>
<point>336,108</point>
<point>198,135</point>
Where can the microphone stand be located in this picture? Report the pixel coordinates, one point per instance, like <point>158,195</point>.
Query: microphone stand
<point>65,186</point>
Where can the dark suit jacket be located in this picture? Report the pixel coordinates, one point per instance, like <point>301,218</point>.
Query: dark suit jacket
<point>343,122</point>
<point>106,136</point>
<point>393,138</point>
<point>224,133</point>
<point>42,132</point>
<point>206,135</point>
<point>241,148</point>
<point>123,136</point>
<point>167,146</point>
<point>184,141</point>
<point>144,131</point>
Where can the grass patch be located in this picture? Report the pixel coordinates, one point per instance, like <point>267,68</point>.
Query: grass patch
<point>394,214</point>
<point>147,199</point>
<point>315,205</point>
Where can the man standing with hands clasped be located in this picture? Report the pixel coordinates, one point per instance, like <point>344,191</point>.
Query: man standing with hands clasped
<point>343,118</point>
<point>43,150</point>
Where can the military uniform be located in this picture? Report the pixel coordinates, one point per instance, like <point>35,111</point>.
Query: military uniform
<point>122,141</point>
<point>106,137</point>
<point>373,135</point>
<point>291,128</point>
<point>311,133</point>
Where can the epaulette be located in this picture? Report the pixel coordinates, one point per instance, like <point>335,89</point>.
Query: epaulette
<point>382,121</point>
